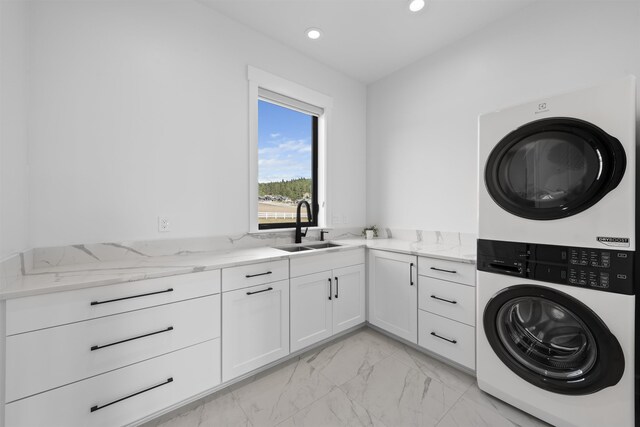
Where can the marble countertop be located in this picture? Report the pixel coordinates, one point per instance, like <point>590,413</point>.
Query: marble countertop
<point>76,276</point>
<point>450,252</point>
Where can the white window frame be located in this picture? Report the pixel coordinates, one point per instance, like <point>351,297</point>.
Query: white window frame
<point>262,79</point>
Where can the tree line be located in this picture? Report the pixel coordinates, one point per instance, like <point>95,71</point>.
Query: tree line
<point>294,189</point>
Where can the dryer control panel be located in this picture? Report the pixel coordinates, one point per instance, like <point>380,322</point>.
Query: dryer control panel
<point>602,269</point>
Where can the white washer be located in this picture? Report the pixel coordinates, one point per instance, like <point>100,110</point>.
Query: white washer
<point>612,406</point>
<point>561,170</point>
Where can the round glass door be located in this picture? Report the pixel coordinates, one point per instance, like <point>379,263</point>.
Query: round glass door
<point>554,168</point>
<point>552,340</point>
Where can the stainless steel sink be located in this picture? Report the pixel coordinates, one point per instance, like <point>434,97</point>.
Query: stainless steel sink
<point>323,245</point>
<point>308,247</point>
<point>294,249</point>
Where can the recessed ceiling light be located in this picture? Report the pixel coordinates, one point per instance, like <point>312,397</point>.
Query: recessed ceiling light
<point>416,5</point>
<point>313,33</point>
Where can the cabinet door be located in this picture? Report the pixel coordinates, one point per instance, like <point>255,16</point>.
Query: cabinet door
<point>393,293</point>
<point>311,309</point>
<point>348,297</point>
<point>255,327</point>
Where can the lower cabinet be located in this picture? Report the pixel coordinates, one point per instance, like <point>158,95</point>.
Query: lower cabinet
<point>255,327</point>
<point>393,293</point>
<point>326,303</point>
<point>447,310</point>
<point>125,395</point>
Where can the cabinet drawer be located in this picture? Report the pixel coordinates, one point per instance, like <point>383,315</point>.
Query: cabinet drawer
<point>125,395</point>
<point>447,270</point>
<point>254,274</point>
<point>315,263</point>
<point>43,311</point>
<point>447,299</point>
<point>437,334</point>
<point>45,359</point>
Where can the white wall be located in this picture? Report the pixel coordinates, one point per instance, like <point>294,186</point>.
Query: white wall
<point>422,120</point>
<point>13,128</point>
<point>140,109</point>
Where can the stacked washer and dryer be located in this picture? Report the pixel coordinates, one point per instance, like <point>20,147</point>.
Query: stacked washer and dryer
<point>556,252</point>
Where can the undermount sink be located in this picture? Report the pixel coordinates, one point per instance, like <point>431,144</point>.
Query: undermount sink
<point>295,249</point>
<point>308,247</point>
<point>324,245</point>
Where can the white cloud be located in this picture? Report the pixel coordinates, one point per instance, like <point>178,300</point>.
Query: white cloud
<point>289,159</point>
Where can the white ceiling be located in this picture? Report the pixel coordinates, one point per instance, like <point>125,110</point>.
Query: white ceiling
<point>366,39</point>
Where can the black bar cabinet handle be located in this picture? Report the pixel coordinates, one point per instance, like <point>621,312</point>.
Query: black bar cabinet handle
<point>257,292</point>
<point>443,338</point>
<point>450,301</point>
<point>411,274</point>
<point>133,296</point>
<point>97,407</point>
<point>446,271</point>
<point>98,347</point>
<point>248,276</point>
<point>330,288</point>
<point>337,290</point>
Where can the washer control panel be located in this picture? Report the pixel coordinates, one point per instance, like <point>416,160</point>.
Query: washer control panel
<point>603,269</point>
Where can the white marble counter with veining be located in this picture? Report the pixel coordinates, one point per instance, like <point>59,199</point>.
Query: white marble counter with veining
<point>64,277</point>
<point>76,276</point>
<point>445,251</point>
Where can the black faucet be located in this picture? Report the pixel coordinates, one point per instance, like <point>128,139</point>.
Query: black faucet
<point>299,233</point>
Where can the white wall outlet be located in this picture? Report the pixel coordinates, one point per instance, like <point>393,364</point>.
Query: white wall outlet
<point>164,225</point>
<point>345,219</point>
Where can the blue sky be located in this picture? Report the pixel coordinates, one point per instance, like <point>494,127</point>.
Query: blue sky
<point>284,143</point>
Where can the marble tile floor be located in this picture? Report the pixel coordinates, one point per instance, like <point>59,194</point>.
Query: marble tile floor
<point>363,379</point>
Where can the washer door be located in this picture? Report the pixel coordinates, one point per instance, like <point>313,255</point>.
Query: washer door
<point>554,168</point>
<point>552,340</point>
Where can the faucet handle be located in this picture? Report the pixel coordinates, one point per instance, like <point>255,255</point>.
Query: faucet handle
<point>305,232</point>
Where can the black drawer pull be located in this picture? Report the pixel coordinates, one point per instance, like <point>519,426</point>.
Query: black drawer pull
<point>257,292</point>
<point>337,290</point>
<point>443,338</point>
<point>97,408</point>
<point>248,276</point>
<point>134,296</point>
<point>411,274</point>
<point>450,301</point>
<point>330,289</point>
<point>446,271</point>
<point>98,347</point>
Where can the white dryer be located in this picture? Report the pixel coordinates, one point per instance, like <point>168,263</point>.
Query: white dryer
<point>561,170</point>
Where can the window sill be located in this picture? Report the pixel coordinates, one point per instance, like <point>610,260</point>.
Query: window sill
<point>286,230</point>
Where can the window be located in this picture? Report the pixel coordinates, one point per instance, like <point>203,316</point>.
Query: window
<point>287,134</point>
<point>287,163</point>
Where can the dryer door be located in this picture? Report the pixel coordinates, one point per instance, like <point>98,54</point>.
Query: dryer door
<point>552,340</point>
<point>554,168</point>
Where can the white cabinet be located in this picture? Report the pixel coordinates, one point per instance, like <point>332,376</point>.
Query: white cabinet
<point>349,297</point>
<point>84,349</point>
<point>255,327</point>
<point>124,395</point>
<point>311,309</point>
<point>111,355</point>
<point>325,303</point>
<point>447,315</point>
<point>393,293</point>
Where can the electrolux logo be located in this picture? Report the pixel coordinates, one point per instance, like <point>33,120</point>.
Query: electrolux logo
<point>542,108</point>
<point>622,242</point>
